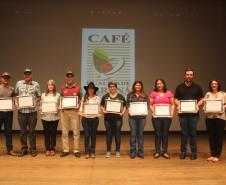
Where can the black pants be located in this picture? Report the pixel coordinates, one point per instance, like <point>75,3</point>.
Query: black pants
<point>215,128</point>
<point>50,133</point>
<point>27,120</point>
<point>161,126</point>
<point>90,128</point>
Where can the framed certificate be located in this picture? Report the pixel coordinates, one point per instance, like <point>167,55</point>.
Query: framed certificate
<point>48,107</point>
<point>213,106</point>
<point>6,104</point>
<point>25,102</point>
<point>69,102</point>
<point>113,106</point>
<point>138,108</point>
<point>188,106</point>
<point>90,109</point>
<point>162,110</point>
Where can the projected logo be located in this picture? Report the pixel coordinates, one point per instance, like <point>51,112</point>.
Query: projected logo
<point>108,54</point>
<point>104,64</point>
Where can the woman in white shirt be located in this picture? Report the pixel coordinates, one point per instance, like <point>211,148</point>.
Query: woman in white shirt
<point>90,122</point>
<point>215,121</point>
<point>50,119</point>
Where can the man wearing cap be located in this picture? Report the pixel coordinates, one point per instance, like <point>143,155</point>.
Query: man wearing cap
<point>6,117</point>
<point>27,117</point>
<point>70,117</point>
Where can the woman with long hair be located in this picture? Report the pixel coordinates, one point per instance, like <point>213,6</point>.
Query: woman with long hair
<point>50,120</point>
<point>137,122</point>
<point>90,122</point>
<point>215,121</point>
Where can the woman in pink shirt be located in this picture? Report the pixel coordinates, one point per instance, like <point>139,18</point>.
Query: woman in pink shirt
<point>161,123</point>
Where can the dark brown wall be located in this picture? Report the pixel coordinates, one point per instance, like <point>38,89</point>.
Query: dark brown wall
<point>170,35</point>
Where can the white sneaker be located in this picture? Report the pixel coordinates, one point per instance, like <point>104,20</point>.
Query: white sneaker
<point>117,154</point>
<point>108,154</point>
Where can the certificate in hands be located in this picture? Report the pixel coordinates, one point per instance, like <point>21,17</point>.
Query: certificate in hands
<point>48,107</point>
<point>188,106</point>
<point>6,104</point>
<point>69,102</point>
<point>25,102</point>
<point>138,108</point>
<point>213,106</point>
<point>91,109</point>
<point>113,106</point>
<point>162,110</point>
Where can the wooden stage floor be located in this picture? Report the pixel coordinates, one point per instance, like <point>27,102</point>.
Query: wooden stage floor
<point>69,170</point>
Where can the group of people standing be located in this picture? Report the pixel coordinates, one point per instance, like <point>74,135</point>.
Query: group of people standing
<point>70,118</point>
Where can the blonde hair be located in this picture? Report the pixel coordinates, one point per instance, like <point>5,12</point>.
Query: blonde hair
<point>54,87</point>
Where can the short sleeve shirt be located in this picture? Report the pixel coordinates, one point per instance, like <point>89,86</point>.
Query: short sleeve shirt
<point>164,99</point>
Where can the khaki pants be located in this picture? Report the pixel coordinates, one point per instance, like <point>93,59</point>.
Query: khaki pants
<point>70,119</point>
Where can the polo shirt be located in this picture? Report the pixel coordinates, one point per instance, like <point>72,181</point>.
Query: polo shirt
<point>192,92</point>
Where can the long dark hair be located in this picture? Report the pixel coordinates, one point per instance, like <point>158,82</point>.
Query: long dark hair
<point>164,87</point>
<point>219,85</point>
<point>86,97</point>
<point>141,93</point>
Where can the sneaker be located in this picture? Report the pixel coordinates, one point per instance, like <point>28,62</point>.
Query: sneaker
<point>156,155</point>
<point>117,154</point>
<point>166,156</point>
<point>63,154</point>
<point>86,156</point>
<point>12,153</point>
<point>93,156</point>
<point>22,153</point>
<point>108,154</point>
<point>77,154</point>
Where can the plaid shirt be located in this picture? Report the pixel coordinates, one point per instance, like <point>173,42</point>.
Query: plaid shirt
<point>32,89</point>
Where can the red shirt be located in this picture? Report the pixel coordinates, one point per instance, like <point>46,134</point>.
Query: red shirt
<point>74,90</point>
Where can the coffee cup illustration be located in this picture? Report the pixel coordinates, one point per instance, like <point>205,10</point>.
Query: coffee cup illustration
<point>105,64</point>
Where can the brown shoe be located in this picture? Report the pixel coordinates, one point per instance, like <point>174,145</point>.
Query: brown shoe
<point>12,153</point>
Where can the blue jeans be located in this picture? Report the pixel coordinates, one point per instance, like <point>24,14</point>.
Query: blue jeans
<point>113,127</point>
<point>6,118</point>
<point>161,127</point>
<point>90,129</point>
<point>188,132</point>
<point>137,125</point>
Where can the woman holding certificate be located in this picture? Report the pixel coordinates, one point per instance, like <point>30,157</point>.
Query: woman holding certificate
<point>162,106</point>
<point>50,116</point>
<point>113,105</point>
<point>214,107</point>
<point>89,111</point>
<point>138,103</point>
